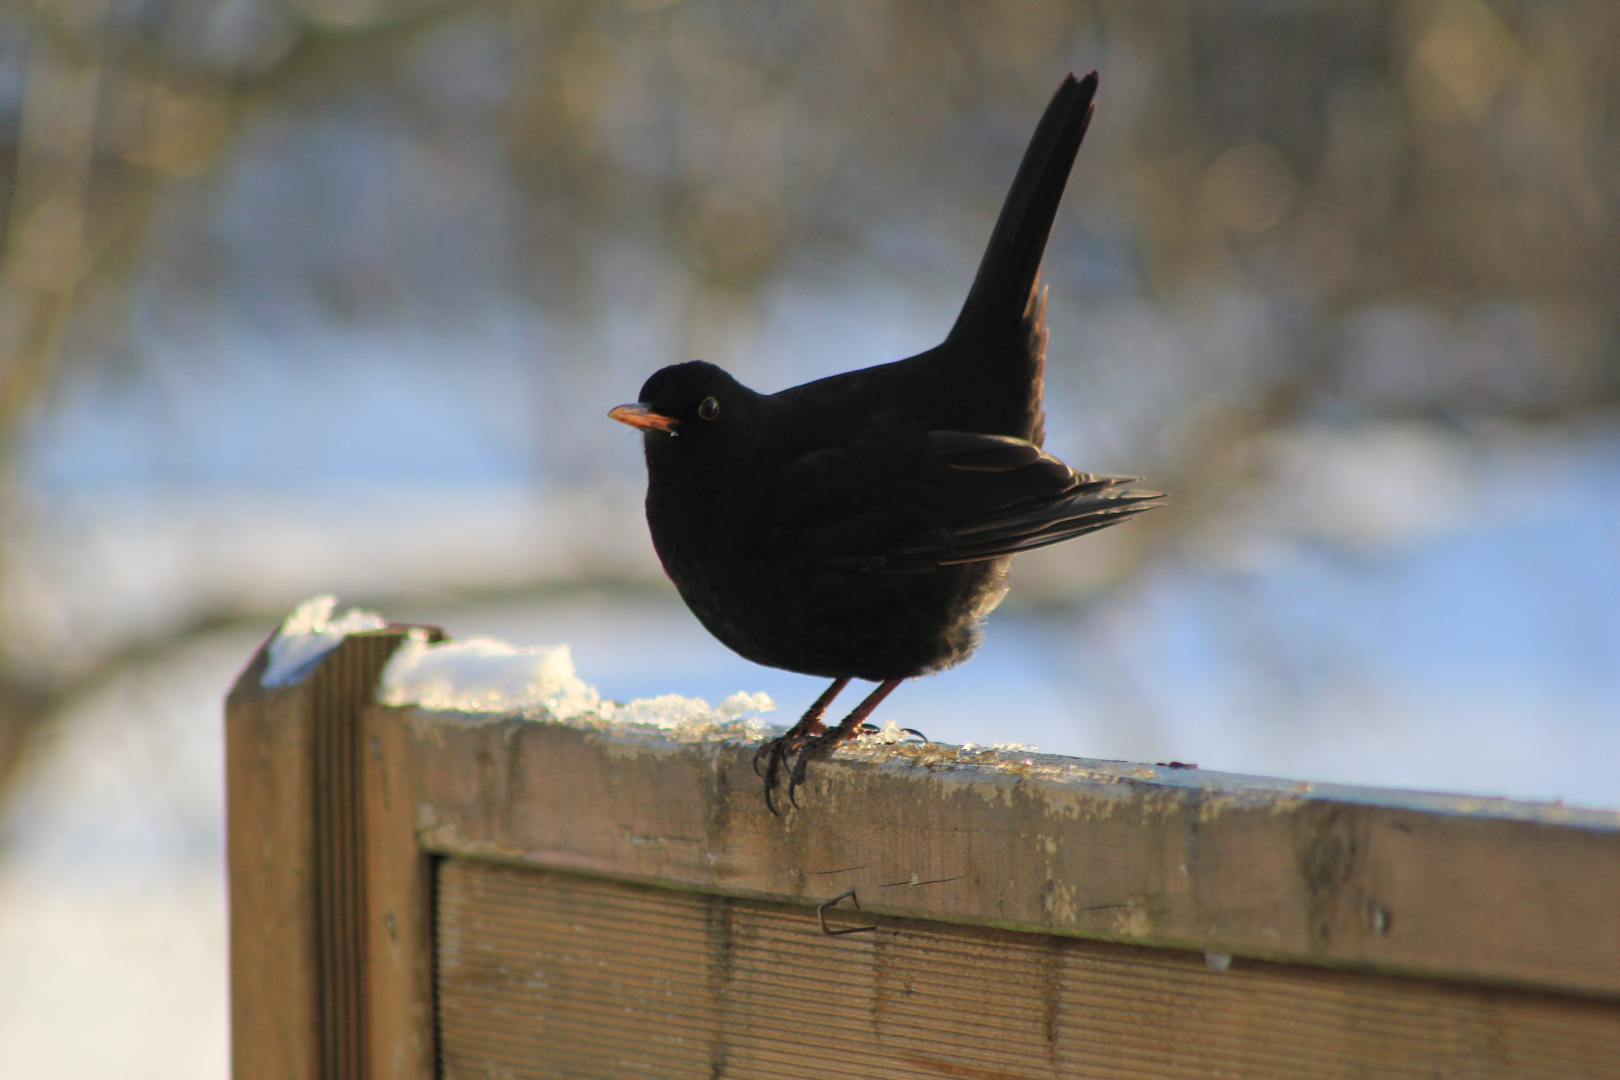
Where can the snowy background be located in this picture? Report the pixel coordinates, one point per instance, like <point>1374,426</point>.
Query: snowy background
<point>334,295</point>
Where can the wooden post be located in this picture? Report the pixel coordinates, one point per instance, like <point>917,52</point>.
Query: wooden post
<point>313,924</point>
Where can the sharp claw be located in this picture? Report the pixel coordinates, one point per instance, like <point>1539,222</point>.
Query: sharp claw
<point>796,777</point>
<point>775,753</point>
<point>914,731</point>
<point>790,753</point>
<point>770,791</point>
<point>806,750</point>
<point>770,750</point>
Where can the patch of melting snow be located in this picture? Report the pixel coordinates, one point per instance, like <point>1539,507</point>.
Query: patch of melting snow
<point>1001,749</point>
<point>889,734</point>
<point>489,677</point>
<point>483,675</point>
<point>310,633</point>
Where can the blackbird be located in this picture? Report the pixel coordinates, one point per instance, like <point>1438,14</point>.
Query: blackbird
<point>861,526</point>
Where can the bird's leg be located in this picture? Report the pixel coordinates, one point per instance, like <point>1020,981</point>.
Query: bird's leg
<point>777,749</point>
<point>818,744</point>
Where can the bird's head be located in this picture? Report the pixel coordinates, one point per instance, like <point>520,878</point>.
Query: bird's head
<point>692,410</point>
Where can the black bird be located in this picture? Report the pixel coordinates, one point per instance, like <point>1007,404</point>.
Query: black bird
<point>861,526</point>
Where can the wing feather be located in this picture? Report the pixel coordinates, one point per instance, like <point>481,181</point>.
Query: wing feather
<point>898,501</point>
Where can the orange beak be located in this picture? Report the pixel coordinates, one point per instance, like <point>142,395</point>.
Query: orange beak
<point>639,416</point>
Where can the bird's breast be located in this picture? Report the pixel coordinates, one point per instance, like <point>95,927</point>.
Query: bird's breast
<point>752,585</point>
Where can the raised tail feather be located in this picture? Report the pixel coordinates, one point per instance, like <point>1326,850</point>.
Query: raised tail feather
<point>1000,298</point>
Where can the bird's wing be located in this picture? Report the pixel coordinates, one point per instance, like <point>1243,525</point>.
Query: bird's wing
<point>902,503</point>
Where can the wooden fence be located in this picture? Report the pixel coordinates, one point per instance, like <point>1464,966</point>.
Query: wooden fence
<point>419,894</point>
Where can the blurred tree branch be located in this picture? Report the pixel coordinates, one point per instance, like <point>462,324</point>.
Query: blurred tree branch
<point>107,119</point>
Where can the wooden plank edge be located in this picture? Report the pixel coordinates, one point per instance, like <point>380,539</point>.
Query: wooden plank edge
<point>1356,876</point>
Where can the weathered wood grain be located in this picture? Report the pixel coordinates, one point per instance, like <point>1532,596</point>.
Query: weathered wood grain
<point>399,913</point>
<point>618,902</point>
<point>1447,887</point>
<point>270,854</point>
<point>297,863</point>
<point>544,974</point>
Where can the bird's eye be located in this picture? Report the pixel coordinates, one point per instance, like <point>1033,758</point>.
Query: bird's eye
<point>709,409</point>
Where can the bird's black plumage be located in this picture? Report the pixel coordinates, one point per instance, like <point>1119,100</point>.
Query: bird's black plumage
<point>860,526</point>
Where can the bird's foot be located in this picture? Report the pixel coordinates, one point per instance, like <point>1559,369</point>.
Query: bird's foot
<point>811,738</point>
<point>800,750</point>
<point>769,760</point>
<point>812,747</point>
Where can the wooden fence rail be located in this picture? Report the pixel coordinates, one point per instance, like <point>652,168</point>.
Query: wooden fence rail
<point>419,894</point>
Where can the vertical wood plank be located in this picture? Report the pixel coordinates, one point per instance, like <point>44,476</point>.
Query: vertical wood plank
<point>399,906</point>
<point>270,855</point>
<point>340,689</point>
<point>296,849</point>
